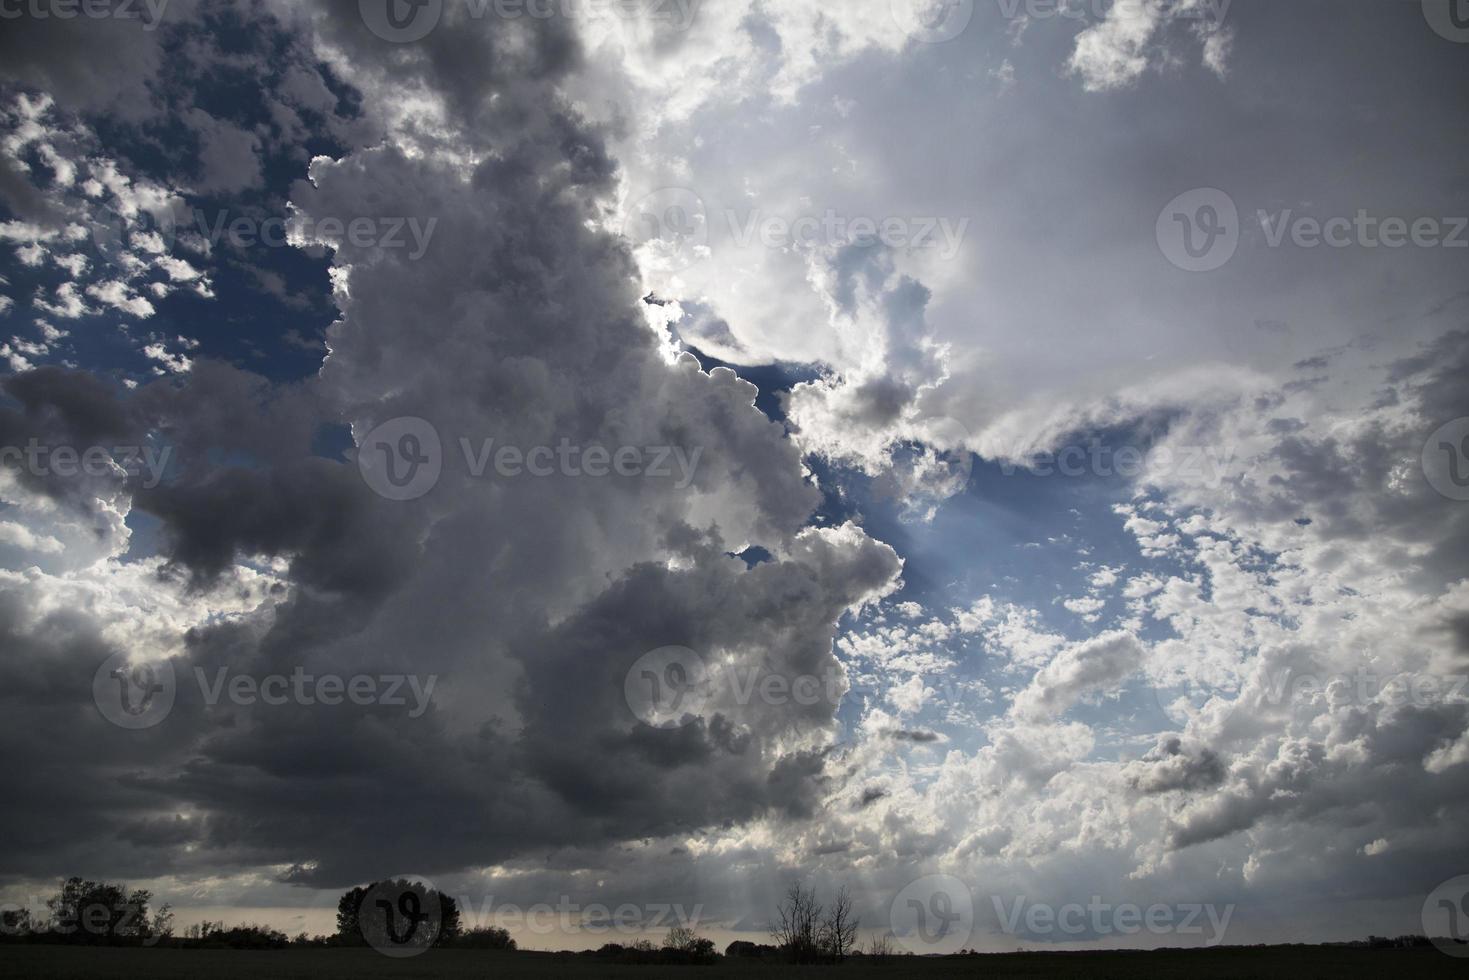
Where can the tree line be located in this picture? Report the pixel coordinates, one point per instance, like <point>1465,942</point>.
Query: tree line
<point>400,912</point>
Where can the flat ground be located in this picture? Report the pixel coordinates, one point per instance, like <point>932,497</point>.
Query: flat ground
<point>42,962</point>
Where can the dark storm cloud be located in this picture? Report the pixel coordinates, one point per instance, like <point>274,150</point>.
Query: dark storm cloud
<point>53,409</point>
<point>92,62</point>
<point>71,405</point>
<point>527,601</point>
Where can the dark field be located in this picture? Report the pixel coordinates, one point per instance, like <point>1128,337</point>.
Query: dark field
<point>1296,963</point>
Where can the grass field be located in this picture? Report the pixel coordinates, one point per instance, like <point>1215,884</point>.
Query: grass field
<point>42,962</point>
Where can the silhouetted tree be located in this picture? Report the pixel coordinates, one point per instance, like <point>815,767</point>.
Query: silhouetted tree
<point>688,945</point>
<point>349,930</point>
<point>96,912</point>
<point>798,920</point>
<point>416,900</point>
<point>838,930</point>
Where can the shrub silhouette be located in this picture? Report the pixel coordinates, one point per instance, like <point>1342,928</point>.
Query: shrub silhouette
<point>487,937</point>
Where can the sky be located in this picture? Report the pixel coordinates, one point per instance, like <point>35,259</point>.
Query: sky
<point>1004,457</point>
